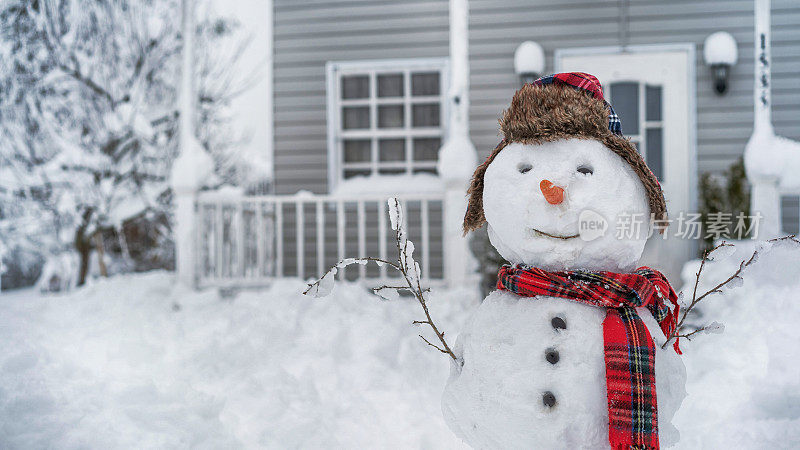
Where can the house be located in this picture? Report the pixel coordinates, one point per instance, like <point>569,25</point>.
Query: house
<point>362,103</point>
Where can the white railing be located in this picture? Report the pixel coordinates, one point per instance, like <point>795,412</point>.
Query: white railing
<point>249,240</point>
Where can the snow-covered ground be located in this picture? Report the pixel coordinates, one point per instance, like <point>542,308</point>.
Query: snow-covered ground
<point>136,362</point>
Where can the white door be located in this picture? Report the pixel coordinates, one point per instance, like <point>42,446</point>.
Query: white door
<point>652,92</point>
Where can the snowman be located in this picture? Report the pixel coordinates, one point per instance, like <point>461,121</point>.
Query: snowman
<point>567,352</point>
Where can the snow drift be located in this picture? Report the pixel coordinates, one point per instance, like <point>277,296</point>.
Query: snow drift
<point>136,362</point>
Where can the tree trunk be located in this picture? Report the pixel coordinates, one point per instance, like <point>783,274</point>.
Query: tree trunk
<point>83,245</point>
<point>101,254</point>
<point>84,248</point>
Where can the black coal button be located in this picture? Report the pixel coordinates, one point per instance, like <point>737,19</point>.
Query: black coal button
<point>551,355</point>
<point>558,323</point>
<point>548,399</point>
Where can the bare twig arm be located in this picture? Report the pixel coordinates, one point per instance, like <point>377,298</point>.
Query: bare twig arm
<point>716,289</point>
<point>433,345</point>
<point>413,282</point>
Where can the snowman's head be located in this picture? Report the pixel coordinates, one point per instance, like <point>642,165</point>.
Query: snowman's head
<point>555,205</point>
<point>562,191</point>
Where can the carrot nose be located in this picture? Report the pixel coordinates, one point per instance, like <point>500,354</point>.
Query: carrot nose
<point>553,194</point>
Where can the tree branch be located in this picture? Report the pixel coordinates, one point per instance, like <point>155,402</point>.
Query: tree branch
<point>716,289</point>
<point>436,346</point>
<point>405,264</point>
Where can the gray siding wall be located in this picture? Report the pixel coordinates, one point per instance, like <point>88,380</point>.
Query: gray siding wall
<point>724,123</point>
<point>309,33</point>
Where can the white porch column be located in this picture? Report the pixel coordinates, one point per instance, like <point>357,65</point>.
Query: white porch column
<point>762,158</point>
<point>193,166</point>
<point>765,198</point>
<point>457,158</point>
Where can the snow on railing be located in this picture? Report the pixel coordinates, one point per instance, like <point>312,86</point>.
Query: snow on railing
<point>249,240</point>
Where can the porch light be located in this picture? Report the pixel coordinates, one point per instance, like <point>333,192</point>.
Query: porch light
<point>529,62</point>
<point>720,54</point>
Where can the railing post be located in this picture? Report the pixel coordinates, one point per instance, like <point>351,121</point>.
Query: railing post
<point>459,264</point>
<point>184,234</point>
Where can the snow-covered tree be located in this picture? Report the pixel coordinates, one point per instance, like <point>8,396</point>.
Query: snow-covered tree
<point>88,128</point>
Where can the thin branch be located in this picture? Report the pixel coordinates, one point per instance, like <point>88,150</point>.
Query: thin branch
<point>346,262</point>
<point>436,346</point>
<point>716,289</point>
<point>404,264</point>
<point>416,290</point>
<point>88,82</point>
<point>689,335</point>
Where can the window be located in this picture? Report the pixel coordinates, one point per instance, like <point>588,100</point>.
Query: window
<point>385,117</point>
<point>790,214</point>
<point>639,108</point>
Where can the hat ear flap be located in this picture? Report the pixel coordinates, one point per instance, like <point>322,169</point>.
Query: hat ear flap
<point>474,217</point>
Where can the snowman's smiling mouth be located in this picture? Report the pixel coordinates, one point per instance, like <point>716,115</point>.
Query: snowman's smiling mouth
<point>540,233</point>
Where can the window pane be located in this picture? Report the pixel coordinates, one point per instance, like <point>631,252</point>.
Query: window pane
<point>355,86</point>
<point>350,173</point>
<point>426,115</point>
<point>430,170</point>
<point>425,83</point>
<point>655,152</point>
<point>625,100</point>
<point>390,116</point>
<point>426,149</point>
<point>790,214</point>
<point>356,150</point>
<point>653,100</point>
<point>355,117</point>
<point>393,171</point>
<point>392,149</point>
<point>390,85</point>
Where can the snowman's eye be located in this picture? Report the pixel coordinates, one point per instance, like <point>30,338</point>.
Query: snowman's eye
<point>524,167</point>
<point>586,170</point>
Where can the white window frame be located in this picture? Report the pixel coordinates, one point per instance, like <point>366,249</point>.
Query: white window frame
<point>689,48</point>
<point>639,138</point>
<point>336,69</point>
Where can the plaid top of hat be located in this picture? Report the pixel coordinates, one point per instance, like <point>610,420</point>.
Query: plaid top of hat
<point>589,84</point>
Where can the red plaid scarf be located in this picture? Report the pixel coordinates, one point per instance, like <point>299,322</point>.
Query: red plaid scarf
<point>629,349</point>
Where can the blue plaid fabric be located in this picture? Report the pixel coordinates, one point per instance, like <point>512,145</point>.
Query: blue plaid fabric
<point>614,123</point>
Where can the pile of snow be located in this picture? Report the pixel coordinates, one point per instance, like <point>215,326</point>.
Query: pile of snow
<point>529,58</point>
<point>457,158</point>
<point>390,185</point>
<point>720,48</point>
<point>744,384</point>
<point>768,155</point>
<point>193,168</point>
<point>136,362</point>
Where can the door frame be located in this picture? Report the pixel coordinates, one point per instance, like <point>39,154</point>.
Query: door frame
<point>689,48</point>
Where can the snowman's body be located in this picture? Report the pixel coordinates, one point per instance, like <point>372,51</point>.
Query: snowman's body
<point>495,399</point>
<point>513,353</point>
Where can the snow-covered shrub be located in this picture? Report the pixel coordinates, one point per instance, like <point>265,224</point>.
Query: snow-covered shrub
<point>727,194</point>
<point>489,260</point>
<point>59,273</point>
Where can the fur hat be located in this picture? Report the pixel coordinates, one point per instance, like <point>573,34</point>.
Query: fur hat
<point>563,106</point>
